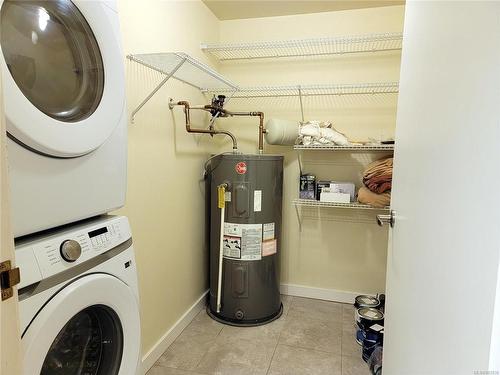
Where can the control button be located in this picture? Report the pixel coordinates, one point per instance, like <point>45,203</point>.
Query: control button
<point>70,250</point>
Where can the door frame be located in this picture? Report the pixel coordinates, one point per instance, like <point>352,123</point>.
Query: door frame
<point>10,335</point>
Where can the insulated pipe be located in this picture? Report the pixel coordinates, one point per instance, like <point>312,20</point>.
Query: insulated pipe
<point>187,108</point>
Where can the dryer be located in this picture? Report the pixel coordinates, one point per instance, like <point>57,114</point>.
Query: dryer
<point>64,84</point>
<point>79,300</point>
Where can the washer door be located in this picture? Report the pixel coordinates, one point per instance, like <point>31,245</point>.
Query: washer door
<point>63,74</point>
<point>90,327</point>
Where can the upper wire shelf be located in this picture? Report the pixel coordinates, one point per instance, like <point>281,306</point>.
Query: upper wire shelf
<point>305,47</point>
<point>183,68</point>
<point>389,147</point>
<point>309,90</point>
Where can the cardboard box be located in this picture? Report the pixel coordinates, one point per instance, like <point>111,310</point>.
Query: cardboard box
<point>328,196</point>
<point>319,186</point>
<point>336,187</point>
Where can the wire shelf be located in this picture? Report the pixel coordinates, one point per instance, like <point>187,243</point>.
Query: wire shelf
<point>346,148</point>
<point>190,71</point>
<point>310,90</point>
<point>305,47</point>
<point>183,68</point>
<point>315,203</point>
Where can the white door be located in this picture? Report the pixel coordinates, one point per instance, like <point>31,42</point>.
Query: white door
<point>63,71</point>
<point>444,259</point>
<point>10,336</point>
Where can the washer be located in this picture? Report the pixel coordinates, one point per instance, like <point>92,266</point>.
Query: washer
<point>64,83</point>
<point>79,300</point>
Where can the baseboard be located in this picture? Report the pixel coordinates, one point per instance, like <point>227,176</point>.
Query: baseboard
<point>150,358</point>
<point>319,293</point>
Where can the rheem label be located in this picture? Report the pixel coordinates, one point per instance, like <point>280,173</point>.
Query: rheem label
<point>241,167</point>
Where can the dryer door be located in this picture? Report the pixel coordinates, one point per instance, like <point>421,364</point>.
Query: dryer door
<point>91,326</point>
<point>63,74</point>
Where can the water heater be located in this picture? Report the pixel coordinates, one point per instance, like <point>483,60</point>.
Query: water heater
<point>245,194</point>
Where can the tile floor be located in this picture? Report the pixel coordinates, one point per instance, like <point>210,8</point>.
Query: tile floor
<point>312,337</point>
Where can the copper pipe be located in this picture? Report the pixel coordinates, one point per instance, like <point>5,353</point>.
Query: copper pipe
<point>187,108</point>
<point>226,113</point>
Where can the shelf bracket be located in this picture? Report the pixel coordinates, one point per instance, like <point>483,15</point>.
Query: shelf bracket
<point>155,90</point>
<point>299,159</point>
<point>301,104</point>
<point>299,218</point>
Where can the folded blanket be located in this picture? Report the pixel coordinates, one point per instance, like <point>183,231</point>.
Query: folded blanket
<point>366,196</point>
<point>378,167</point>
<point>378,176</point>
<point>379,184</point>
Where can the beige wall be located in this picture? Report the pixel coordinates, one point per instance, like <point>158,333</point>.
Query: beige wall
<point>165,201</point>
<point>337,249</point>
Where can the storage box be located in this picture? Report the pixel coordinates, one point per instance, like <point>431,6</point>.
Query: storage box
<point>319,186</point>
<point>328,196</point>
<point>336,187</point>
<point>307,186</point>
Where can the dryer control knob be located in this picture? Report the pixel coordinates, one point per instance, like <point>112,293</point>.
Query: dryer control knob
<point>70,250</point>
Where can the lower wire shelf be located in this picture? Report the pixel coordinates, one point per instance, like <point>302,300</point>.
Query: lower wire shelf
<point>314,203</point>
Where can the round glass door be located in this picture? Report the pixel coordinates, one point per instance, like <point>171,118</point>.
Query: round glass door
<point>91,326</point>
<point>91,343</point>
<point>53,57</point>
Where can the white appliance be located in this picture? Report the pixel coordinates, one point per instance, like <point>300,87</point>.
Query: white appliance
<point>63,78</point>
<point>79,301</point>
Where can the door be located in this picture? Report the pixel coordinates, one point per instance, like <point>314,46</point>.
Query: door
<point>63,71</point>
<point>443,259</point>
<point>90,326</point>
<point>10,353</point>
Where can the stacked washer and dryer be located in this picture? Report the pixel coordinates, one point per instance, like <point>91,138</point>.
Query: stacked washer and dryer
<point>63,79</point>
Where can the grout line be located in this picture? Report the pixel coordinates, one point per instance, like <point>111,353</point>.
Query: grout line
<point>290,304</point>
<point>279,335</point>
<point>218,333</point>
<point>201,359</point>
<point>182,369</point>
<point>157,362</point>
<point>342,341</point>
<point>332,322</point>
<point>274,351</point>
<point>215,338</point>
<point>314,350</point>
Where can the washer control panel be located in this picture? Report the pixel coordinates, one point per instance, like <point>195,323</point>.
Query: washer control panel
<point>100,238</point>
<point>70,250</point>
<point>67,248</point>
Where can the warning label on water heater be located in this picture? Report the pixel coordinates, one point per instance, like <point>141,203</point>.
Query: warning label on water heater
<point>242,241</point>
<point>232,247</point>
<point>269,247</point>
<point>268,231</point>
